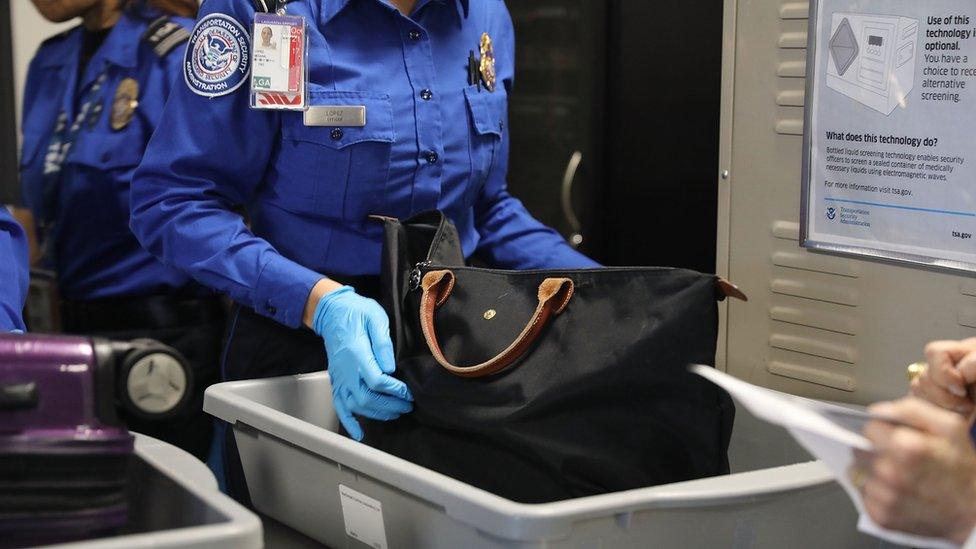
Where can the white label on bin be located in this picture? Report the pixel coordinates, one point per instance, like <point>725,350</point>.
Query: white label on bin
<point>363,516</point>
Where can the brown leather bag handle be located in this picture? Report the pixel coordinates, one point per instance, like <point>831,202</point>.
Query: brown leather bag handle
<point>554,296</point>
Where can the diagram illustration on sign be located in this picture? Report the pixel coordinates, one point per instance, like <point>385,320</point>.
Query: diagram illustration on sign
<point>872,59</point>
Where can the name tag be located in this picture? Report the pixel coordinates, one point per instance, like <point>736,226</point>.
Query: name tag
<point>338,115</point>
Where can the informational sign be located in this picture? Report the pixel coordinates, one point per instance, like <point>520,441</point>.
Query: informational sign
<point>890,136</point>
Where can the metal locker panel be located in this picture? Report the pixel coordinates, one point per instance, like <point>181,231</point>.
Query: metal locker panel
<point>794,10</point>
<point>816,325</point>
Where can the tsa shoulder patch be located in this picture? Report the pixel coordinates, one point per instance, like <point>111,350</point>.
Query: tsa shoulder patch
<point>218,57</point>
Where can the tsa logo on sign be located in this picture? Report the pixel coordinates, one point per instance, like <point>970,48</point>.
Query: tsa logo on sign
<point>831,213</point>
<point>218,56</point>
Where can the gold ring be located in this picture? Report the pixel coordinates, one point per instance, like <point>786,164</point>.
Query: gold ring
<point>916,370</point>
<point>858,477</point>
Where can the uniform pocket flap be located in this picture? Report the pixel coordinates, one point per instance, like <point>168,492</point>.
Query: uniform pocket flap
<point>487,110</point>
<point>378,117</point>
<point>106,151</point>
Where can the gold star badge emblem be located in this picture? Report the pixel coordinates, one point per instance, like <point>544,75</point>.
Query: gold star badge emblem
<point>487,62</point>
<point>125,103</point>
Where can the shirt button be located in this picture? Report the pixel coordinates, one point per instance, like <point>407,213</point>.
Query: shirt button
<point>106,156</point>
<point>414,34</point>
<point>426,95</point>
<point>432,157</point>
<point>336,134</point>
<point>271,309</point>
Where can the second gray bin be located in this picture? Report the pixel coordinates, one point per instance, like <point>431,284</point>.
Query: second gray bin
<point>296,465</point>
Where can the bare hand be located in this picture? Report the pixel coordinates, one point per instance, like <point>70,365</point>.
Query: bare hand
<point>920,479</point>
<point>951,371</point>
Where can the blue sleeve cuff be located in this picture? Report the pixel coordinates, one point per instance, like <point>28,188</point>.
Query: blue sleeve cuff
<point>283,290</point>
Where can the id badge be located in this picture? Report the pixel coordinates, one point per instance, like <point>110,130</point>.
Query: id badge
<point>278,62</point>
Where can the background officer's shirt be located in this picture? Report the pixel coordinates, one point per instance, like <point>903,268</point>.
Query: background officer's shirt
<point>14,275</point>
<point>95,254</point>
<point>430,141</point>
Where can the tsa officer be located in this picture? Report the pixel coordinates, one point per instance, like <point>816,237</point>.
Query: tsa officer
<point>407,112</point>
<point>94,96</point>
<point>13,273</point>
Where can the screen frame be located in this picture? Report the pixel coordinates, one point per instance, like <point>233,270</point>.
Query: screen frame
<point>853,252</point>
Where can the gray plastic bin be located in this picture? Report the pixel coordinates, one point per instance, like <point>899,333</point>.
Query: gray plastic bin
<point>296,465</point>
<point>174,503</point>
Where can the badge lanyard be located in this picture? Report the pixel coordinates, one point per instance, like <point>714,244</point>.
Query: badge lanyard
<point>62,141</point>
<point>278,61</point>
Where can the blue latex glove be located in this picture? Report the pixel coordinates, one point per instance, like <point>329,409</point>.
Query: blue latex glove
<point>356,331</point>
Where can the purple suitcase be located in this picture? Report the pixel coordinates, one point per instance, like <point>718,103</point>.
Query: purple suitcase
<point>64,455</point>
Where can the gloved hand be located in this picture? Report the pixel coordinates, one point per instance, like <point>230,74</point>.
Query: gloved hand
<point>356,331</point>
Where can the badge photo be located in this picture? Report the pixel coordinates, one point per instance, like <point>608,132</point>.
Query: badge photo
<point>125,103</point>
<point>218,56</point>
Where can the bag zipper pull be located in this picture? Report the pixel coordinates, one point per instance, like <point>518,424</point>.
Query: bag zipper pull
<point>416,274</point>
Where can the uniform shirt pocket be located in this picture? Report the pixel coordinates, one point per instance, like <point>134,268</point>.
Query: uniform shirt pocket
<point>107,151</point>
<point>488,112</point>
<point>97,174</point>
<point>335,172</point>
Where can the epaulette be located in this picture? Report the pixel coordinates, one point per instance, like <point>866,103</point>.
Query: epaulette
<point>269,6</point>
<point>164,34</point>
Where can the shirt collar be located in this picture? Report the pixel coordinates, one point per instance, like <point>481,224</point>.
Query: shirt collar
<point>331,8</point>
<point>62,49</point>
<point>120,46</point>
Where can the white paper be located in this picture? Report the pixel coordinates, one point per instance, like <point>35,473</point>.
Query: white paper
<point>829,432</point>
<point>363,517</point>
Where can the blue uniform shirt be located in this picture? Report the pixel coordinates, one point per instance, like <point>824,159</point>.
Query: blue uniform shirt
<point>14,275</point>
<point>430,141</point>
<point>95,253</point>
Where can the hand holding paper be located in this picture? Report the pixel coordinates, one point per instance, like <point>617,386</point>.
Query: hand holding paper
<point>950,374</point>
<point>833,433</point>
<point>920,478</point>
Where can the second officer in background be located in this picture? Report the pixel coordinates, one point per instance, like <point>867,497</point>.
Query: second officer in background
<point>94,96</point>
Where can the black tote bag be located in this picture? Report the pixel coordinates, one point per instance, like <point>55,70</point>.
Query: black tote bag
<point>541,386</point>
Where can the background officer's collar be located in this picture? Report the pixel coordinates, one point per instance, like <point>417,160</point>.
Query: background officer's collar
<point>120,47</point>
<point>331,9</point>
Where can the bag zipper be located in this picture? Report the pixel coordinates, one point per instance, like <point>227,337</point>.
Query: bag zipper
<point>416,274</point>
